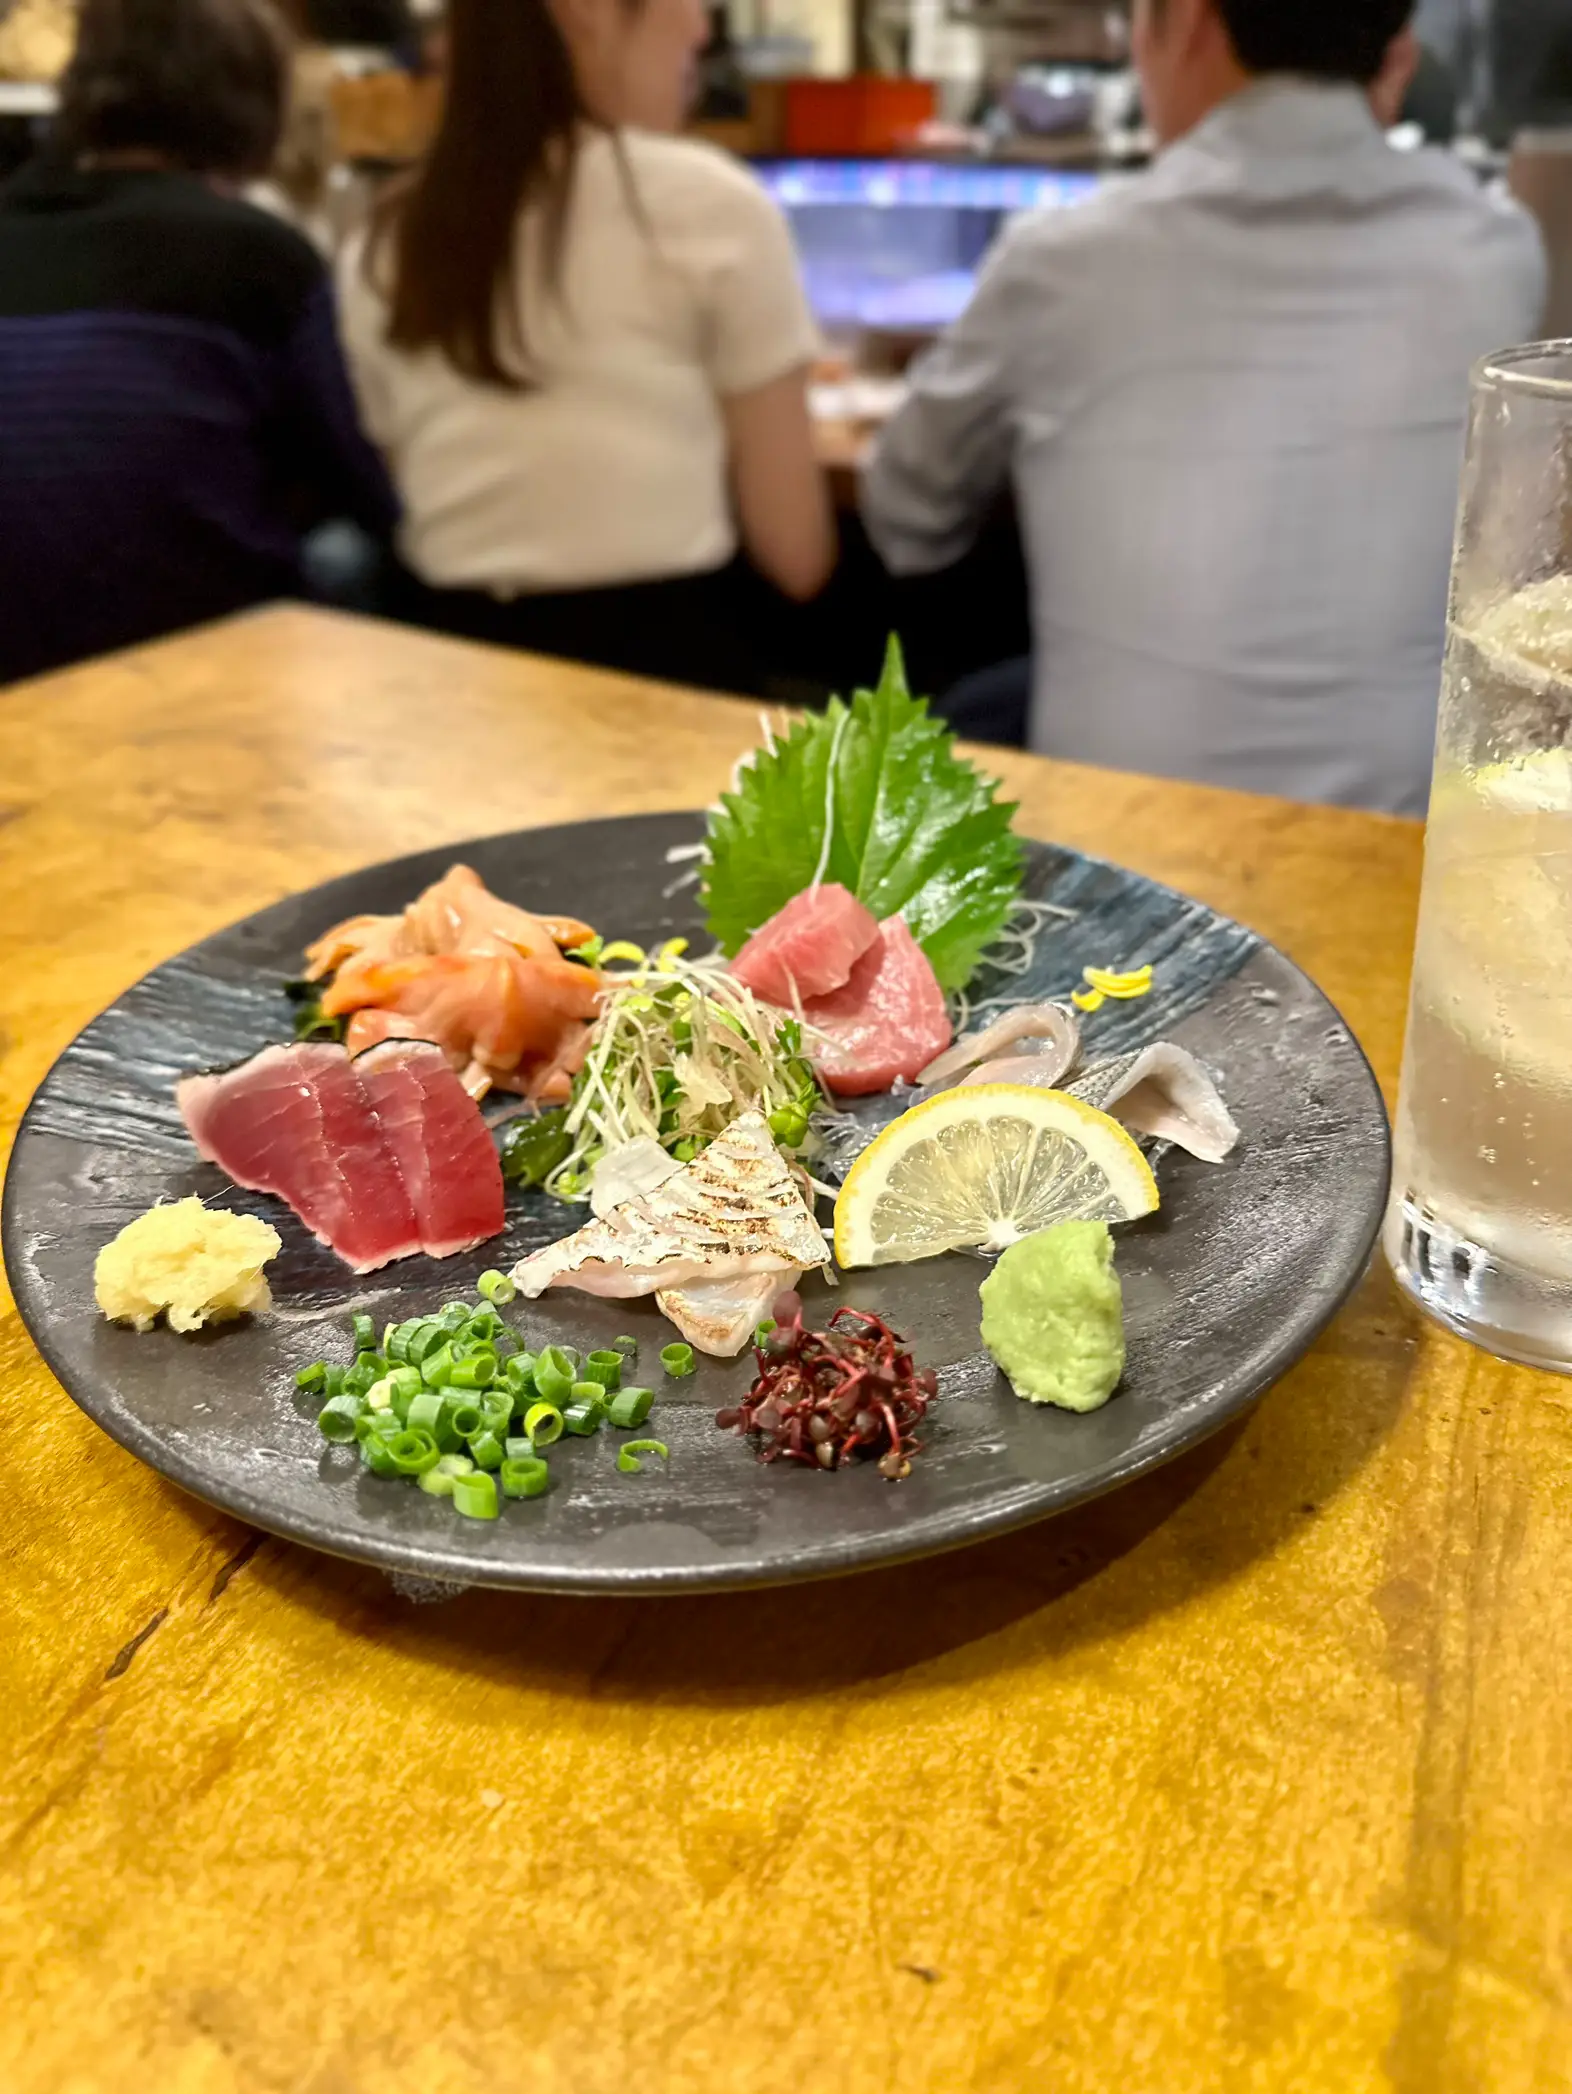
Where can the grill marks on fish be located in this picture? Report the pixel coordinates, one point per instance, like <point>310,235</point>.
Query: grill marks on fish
<point>736,1209</point>
<point>720,1316</point>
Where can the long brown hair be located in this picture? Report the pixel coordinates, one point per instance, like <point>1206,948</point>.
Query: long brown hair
<point>508,137</point>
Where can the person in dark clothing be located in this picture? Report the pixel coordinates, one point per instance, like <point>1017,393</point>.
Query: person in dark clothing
<point>174,409</point>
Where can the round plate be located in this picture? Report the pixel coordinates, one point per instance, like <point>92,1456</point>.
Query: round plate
<point>1223,1289</point>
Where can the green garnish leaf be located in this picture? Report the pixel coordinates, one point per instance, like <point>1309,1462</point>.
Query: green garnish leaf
<point>532,1148</point>
<point>916,830</point>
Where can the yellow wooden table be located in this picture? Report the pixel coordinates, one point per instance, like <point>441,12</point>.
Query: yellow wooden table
<point>1255,1776</point>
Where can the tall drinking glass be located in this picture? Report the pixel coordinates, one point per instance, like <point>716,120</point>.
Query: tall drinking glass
<point>1479,1231</point>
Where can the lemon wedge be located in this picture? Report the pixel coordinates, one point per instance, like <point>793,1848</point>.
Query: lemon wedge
<point>979,1167</point>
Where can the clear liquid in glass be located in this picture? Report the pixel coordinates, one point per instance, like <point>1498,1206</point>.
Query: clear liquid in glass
<point>1480,1226</point>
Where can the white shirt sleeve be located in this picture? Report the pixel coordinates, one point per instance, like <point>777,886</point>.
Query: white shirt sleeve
<point>757,324</point>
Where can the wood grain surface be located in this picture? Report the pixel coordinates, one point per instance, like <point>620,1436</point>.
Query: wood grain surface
<point>1255,1776</point>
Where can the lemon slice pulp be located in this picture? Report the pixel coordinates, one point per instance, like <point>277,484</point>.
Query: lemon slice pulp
<point>979,1167</point>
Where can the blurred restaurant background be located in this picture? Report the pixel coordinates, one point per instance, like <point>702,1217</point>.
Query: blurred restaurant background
<point>899,137</point>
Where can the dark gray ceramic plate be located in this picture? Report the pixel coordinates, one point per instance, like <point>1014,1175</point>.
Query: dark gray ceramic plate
<point>1224,1290</point>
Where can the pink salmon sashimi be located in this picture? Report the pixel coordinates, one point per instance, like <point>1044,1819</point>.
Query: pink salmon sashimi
<point>294,1121</point>
<point>439,1141</point>
<point>888,1020</point>
<point>369,1163</point>
<point>808,948</point>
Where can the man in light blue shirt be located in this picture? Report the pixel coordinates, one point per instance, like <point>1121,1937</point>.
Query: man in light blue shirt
<point>1231,396</point>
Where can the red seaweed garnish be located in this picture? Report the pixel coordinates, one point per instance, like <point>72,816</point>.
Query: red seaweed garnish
<point>829,1397</point>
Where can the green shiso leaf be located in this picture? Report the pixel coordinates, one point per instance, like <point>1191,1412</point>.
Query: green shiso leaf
<point>915,829</point>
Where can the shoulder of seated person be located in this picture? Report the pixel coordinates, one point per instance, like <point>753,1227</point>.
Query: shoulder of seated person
<point>251,230</point>
<point>1089,227</point>
<point>689,167</point>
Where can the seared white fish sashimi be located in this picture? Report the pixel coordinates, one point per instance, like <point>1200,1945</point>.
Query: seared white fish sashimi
<point>720,1316</point>
<point>735,1209</point>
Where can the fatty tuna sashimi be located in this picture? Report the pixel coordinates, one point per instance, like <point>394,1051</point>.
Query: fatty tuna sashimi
<point>294,1121</point>
<point>808,948</point>
<point>439,1141</point>
<point>888,1020</point>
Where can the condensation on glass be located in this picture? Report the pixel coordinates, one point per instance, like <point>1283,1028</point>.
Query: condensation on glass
<point>1479,1231</point>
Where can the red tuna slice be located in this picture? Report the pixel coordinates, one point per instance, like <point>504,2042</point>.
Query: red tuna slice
<point>295,1121</point>
<point>813,943</point>
<point>439,1141</point>
<point>888,1020</point>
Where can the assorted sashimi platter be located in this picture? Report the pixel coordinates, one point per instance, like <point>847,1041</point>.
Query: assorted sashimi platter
<point>783,1100</point>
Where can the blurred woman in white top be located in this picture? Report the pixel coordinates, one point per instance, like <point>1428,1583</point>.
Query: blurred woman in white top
<point>583,345</point>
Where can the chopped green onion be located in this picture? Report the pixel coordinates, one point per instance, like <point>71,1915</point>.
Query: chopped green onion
<point>365,1334</point>
<point>630,1407</point>
<point>379,1396</point>
<point>519,1373</point>
<point>517,1447</point>
<point>395,1342</point>
<point>424,1341</point>
<point>333,1382</point>
<point>336,1419</point>
<point>496,1407</point>
<point>365,1422</point>
<point>496,1286</point>
<point>436,1369</point>
<point>628,1347</point>
<point>477,1372</point>
<point>485,1451</point>
<point>439,1479</point>
<point>311,1378</point>
<point>543,1423</point>
<point>366,1370</point>
<point>466,1419</point>
<point>405,1380</point>
<point>678,1361</point>
<point>413,1452</point>
<point>524,1477</point>
<point>555,1373</point>
<point>628,1454</point>
<point>762,1331</point>
<point>475,1496</point>
<point>604,1368</point>
<point>375,1452</point>
<point>585,1411</point>
<point>454,1316</point>
<point>485,1323</point>
<point>425,1409</point>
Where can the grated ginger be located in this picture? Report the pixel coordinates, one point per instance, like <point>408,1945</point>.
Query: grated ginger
<point>194,1264</point>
